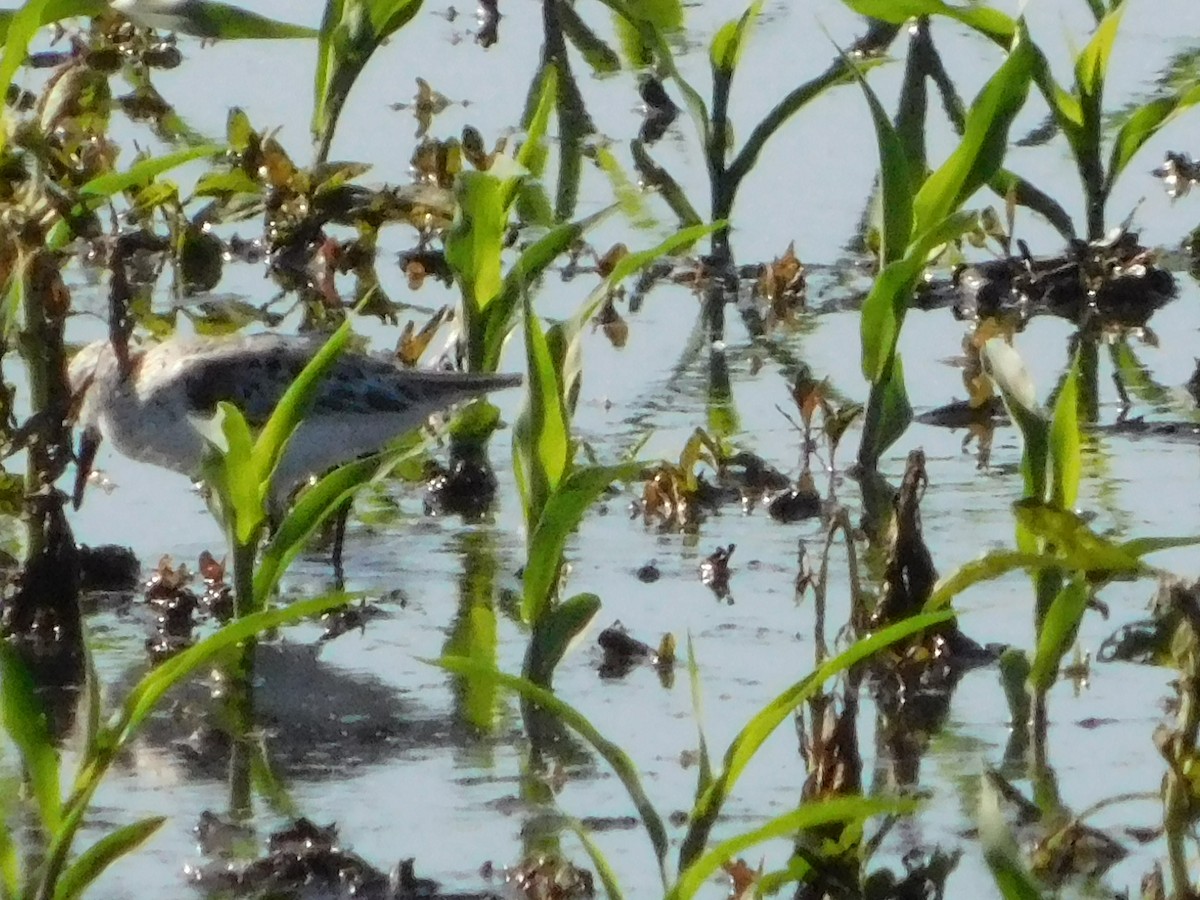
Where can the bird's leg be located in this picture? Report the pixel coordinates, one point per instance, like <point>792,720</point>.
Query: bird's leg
<point>339,541</point>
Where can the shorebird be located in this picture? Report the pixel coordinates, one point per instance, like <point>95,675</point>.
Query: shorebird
<point>151,412</point>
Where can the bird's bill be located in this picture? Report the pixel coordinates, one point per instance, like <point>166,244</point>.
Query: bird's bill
<point>89,443</point>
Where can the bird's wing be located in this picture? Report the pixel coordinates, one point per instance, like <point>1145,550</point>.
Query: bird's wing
<point>253,372</point>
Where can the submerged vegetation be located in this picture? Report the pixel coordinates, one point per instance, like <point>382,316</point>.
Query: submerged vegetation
<point>118,189</point>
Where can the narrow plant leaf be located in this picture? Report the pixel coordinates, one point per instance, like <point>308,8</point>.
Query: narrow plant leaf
<point>149,691</point>
<point>91,864</point>
<point>1013,880</point>
<point>620,762</point>
<point>895,180</point>
<point>1004,366</point>
<point>1058,631</point>
<point>474,244</point>
<point>1066,463</point>
<point>849,810</point>
<point>1143,125</point>
<point>541,437</point>
<point>729,42</point>
<point>294,405</point>
<point>314,507</point>
<point>985,138</point>
<point>351,32</point>
<point>1076,544</point>
<point>21,30</point>
<point>1092,62</point>
<point>24,719</point>
<point>989,567</point>
<point>754,734</point>
<point>604,869</point>
<point>554,631</point>
<point>984,19</point>
<point>238,479</point>
<point>53,11</point>
<point>209,20</point>
<point>704,775</point>
<point>887,416</point>
<point>499,314</point>
<point>561,515</point>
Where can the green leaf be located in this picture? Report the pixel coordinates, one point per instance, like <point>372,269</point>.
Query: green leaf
<point>1142,125</point>
<point>1004,366</point>
<point>541,437</point>
<point>240,478</point>
<point>474,244</point>
<point>554,631</point>
<point>21,30</point>
<point>24,718</point>
<point>985,137</point>
<point>351,32</point>
<point>1000,850</point>
<point>210,20</point>
<point>561,515</point>
<point>754,734</point>
<point>620,762</point>
<point>497,317</point>
<point>1066,463</point>
<point>533,152</point>
<point>984,19</point>
<point>147,693</point>
<point>887,416</point>
<point>1077,546</point>
<point>314,507</point>
<point>1092,63</point>
<point>1058,632</point>
<point>729,42</point>
<point>600,863</point>
<point>848,810</point>
<point>98,857</point>
<point>53,11</point>
<point>895,178</point>
<point>294,405</point>
<point>704,775</point>
<point>987,568</point>
<point>143,172</point>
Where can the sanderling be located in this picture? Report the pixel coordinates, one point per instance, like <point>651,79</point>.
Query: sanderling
<point>151,413</point>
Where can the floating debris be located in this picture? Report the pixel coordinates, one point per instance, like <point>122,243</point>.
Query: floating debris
<point>714,571</point>
<point>623,652</point>
<point>1113,279</point>
<point>1178,173</point>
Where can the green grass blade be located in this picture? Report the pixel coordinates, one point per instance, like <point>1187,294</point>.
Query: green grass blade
<point>54,11</point>
<point>554,631</point>
<point>148,692</point>
<point>1139,547</point>
<point>293,406</point>
<point>620,762</point>
<point>704,773</point>
<point>1092,63</point>
<point>755,733</point>
<point>1013,880</point>
<point>1004,366</point>
<point>985,138</point>
<point>887,416</point>
<point>987,568</point>
<point>895,179</point>
<point>21,30</point>
<point>850,810</point>
<point>498,316</point>
<point>541,437</point>
<point>24,719</point>
<point>315,506</point>
<point>1142,125</point>
<point>1058,632</point>
<point>1074,542</point>
<point>991,22</point>
<point>237,480</point>
<point>564,510</point>
<point>474,244</point>
<point>1066,462</point>
<point>729,42</point>
<point>98,857</point>
<point>143,172</point>
<point>211,20</point>
<point>608,877</point>
<point>351,32</point>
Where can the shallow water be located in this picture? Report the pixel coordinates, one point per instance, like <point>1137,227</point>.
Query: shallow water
<point>387,754</point>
